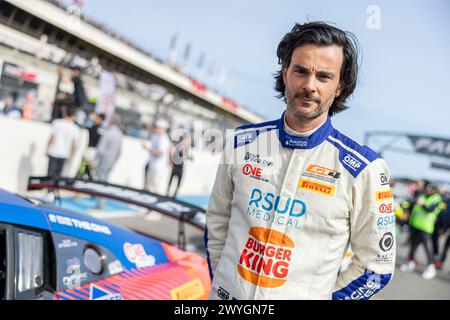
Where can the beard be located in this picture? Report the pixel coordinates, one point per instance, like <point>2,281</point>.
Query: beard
<point>307,115</point>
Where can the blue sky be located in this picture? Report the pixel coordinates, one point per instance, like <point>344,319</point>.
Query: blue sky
<point>404,84</point>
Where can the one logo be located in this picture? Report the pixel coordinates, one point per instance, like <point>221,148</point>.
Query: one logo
<point>255,158</point>
<point>322,173</point>
<point>249,170</point>
<point>266,258</point>
<point>352,162</point>
<point>223,294</point>
<point>384,180</point>
<point>97,293</point>
<point>384,195</point>
<point>385,208</point>
<point>316,187</point>
<point>387,242</point>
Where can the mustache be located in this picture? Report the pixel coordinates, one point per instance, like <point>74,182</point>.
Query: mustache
<point>306,95</point>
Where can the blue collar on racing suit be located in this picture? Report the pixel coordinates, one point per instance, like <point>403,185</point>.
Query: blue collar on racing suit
<point>291,142</point>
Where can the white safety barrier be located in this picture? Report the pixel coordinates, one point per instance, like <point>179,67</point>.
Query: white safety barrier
<point>23,154</point>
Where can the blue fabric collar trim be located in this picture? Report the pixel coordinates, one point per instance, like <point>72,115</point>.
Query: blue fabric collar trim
<point>290,142</point>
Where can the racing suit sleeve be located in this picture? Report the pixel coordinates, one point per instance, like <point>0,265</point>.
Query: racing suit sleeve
<point>219,212</point>
<point>372,236</point>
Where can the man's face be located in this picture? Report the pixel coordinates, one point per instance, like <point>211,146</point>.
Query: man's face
<point>313,80</point>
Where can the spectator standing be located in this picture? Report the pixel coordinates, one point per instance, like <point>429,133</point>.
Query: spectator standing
<point>179,154</point>
<point>158,162</point>
<point>108,151</point>
<point>422,222</point>
<point>63,142</point>
<point>95,131</point>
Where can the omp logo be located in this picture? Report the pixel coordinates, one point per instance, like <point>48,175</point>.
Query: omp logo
<point>249,170</point>
<point>386,208</point>
<point>266,258</point>
<point>352,163</point>
<point>384,195</point>
<point>223,294</point>
<point>192,290</point>
<point>317,187</point>
<point>322,171</point>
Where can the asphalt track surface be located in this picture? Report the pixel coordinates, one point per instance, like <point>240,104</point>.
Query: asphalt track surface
<point>411,285</point>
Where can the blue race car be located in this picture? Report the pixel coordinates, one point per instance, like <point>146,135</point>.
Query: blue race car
<point>49,252</point>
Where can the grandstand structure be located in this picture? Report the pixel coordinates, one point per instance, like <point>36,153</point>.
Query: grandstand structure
<point>37,37</point>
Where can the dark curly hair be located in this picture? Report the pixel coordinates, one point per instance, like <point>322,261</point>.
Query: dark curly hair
<point>321,34</point>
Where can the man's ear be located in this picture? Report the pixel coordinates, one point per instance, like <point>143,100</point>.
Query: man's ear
<point>339,89</point>
<point>284,72</point>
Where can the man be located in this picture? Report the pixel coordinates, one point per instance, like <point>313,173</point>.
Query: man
<point>279,223</point>
<point>108,150</point>
<point>95,132</point>
<point>63,142</point>
<point>157,169</point>
<point>422,223</point>
<point>79,95</point>
<point>178,155</point>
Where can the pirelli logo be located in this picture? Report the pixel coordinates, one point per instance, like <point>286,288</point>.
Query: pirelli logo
<point>384,195</point>
<point>317,187</point>
<point>192,290</point>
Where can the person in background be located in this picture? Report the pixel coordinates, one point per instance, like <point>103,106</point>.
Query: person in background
<point>95,131</point>
<point>10,110</point>
<point>79,95</point>
<point>446,218</point>
<point>63,96</point>
<point>108,150</point>
<point>158,162</point>
<point>179,154</point>
<point>422,222</point>
<point>62,144</point>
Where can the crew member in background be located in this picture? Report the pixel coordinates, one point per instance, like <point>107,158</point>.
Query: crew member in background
<point>95,131</point>
<point>157,169</point>
<point>79,95</point>
<point>422,222</point>
<point>179,154</point>
<point>10,110</point>
<point>62,144</point>
<point>108,150</point>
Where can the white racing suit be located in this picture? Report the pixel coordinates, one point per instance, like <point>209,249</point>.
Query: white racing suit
<point>284,210</point>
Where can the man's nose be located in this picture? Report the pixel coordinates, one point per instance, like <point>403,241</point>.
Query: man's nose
<point>310,84</point>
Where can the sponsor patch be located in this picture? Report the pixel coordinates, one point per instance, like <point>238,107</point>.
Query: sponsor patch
<point>98,293</point>
<point>223,294</point>
<point>253,172</point>
<point>384,195</point>
<point>266,258</point>
<point>387,242</point>
<point>67,243</point>
<point>136,254</point>
<point>255,158</point>
<point>351,162</point>
<point>384,179</point>
<point>324,189</point>
<point>322,173</point>
<point>192,290</point>
<point>115,267</point>
<point>385,208</point>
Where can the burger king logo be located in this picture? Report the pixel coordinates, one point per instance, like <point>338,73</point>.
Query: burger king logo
<point>266,258</point>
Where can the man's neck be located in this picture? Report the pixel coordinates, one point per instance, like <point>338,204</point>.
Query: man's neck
<point>304,126</point>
